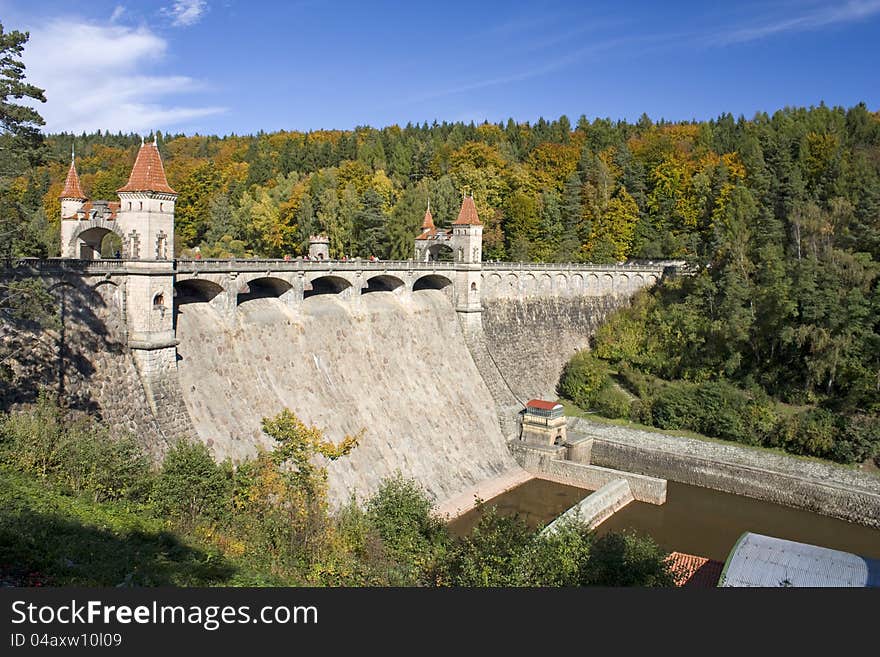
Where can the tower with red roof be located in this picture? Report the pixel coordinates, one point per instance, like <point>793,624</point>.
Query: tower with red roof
<point>146,208</point>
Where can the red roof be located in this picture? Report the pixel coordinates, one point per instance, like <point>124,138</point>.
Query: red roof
<point>542,405</point>
<point>428,227</point>
<point>148,174</point>
<point>72,188</point>
<point>468,213</point>
<point>695,572</point>
<point>428,223</point>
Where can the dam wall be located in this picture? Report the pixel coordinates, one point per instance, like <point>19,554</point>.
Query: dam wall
<point>531,338</point>
<point>396,365</point>
<point>85,359</point>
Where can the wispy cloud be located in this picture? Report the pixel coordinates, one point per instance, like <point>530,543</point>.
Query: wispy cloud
<point>117,13</point>
<point>184,13</point>
<point>94,78</point>
<point>815,19</point>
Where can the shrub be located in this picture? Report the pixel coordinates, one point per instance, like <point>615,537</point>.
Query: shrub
<point>811,432</point>
<point>190,484</point>
<point>494,554</point>
<point>611,401</point>
<point>626,559</point>
<point>74,449</point>
<point>859,440</point>
<point>400,513</point>
<point>582,378</point>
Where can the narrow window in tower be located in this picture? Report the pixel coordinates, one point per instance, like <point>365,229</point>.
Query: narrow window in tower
<point>142,205</point>
<point>161,207</point>
<point>129,205</point>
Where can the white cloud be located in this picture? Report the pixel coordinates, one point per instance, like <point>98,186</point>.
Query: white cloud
<point>95,79</point>
<point>117,13</point>
<point>847,12</point>
<point>184,13</point>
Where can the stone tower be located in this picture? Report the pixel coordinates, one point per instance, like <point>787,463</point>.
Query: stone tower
<point>467,243</point>
<point>319,247</point>
<point>146,208</point>
<point>72,201</point>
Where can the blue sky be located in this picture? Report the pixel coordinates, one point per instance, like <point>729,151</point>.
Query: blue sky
<point>223,66</point>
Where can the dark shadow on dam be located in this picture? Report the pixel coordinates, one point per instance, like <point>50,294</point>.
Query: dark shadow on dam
<point>56,354</point>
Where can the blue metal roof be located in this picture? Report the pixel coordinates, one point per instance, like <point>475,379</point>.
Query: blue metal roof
<point>758,560</point>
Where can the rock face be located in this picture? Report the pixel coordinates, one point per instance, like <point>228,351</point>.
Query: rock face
<point>397,366</point>
<point>531,339</point>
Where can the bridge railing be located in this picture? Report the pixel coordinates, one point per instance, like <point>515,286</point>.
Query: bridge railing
<point>257,264</point>
<point>111,265</point>
<point>580,266</point>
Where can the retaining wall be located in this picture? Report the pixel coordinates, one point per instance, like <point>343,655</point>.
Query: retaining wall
<point>549,463</point>
<point>822,488</point>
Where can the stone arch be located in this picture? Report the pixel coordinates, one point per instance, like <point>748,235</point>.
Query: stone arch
<point>263,287</point>
<point>383,283</point>
<point>493,282</point>
<point>639,282</point>
<point>530,284</point>
<point>623,283</point>
<point>607,284</point>
<point>512,284</point>
<point>652,279</point>
<point>546,284</point>
<point>329,284</point>
<point>195,290</point>
<point>439,252</point>
<point>592,286</point>
<point>576,284</point>
<point>431,282</point>
<point>561,284</point>
<point>85,243</point>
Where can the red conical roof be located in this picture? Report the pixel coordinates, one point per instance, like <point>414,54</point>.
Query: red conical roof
<point>468,213</point>
<point>72,188</point>
<point>147,174</point>
<point>428,223</point>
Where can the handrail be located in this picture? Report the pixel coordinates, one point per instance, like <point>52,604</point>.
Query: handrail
<point>257,264</point>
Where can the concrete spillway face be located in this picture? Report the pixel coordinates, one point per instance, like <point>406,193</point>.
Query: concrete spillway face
<point>395,365</point>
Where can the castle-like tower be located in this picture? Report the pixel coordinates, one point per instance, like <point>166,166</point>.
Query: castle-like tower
<point>143,218</point>
<point>465,239</point>
<point>467,243</point>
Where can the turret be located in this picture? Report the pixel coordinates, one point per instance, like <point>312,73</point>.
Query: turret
<point>467,233</point>
<point>146,208</point>
<point>467,242</point>
<point>72,201</point>
<point>319,247</point>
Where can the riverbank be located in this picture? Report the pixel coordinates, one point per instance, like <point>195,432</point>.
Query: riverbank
<point>824,488</point>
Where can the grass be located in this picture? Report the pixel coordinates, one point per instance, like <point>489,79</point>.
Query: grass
<point>572,410</point>
<point>51,538</point>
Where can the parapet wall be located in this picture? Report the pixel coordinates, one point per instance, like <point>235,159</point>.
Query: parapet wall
<point>822,488</point>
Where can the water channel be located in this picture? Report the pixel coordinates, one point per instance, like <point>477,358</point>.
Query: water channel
<point>694,520</point>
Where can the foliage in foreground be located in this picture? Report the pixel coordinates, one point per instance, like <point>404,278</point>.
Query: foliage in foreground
<point>78,506</point>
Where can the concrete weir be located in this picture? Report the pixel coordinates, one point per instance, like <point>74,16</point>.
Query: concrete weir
<point>596,507</point>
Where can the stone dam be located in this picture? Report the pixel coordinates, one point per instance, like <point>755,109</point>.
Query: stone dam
<point>435,376</point>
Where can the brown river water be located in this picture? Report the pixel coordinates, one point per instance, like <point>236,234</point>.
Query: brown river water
<point>694,520</point>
